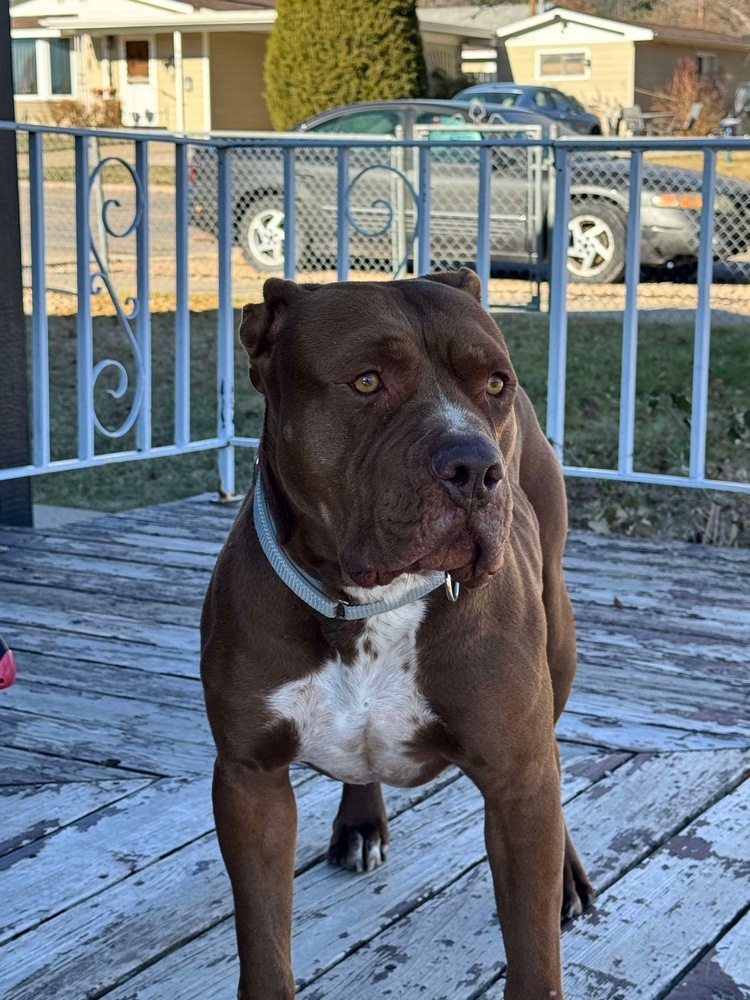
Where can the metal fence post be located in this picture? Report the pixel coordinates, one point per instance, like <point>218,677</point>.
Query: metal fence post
<point>101,229</point>
<point>558,307</point>
<point>483,229</point>
<point>423,212</point>
<point>182,306</point>
<point>398,203</point>
<point>39,327</point>
<point>84,333</point>
<point>699,415</point>
<point>630,318</point>
<point>15,497</point>
<point>143,320</point>
<point>290,214</point>
<point>225,347</point>
<point>342,236</point>
<point>539,156</point>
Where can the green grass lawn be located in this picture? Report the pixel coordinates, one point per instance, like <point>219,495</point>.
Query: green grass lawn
<point>735,164</point>
<point>662,438</point>
<point>662,431</point>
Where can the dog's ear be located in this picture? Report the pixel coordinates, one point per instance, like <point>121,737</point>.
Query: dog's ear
<point>464,278</point>
<point>260,323</point>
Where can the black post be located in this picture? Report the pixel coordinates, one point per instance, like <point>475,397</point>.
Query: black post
<point>15,445</point>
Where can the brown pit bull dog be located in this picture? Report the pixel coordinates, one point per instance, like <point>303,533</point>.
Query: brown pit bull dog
<point>400,460</point>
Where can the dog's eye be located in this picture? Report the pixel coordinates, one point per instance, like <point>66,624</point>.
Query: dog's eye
<point>495,385</point>
<point>368,383</point>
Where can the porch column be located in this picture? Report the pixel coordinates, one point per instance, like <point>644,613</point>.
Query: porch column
<point>179,80</point>
<point>106,62</point>
<point>15,443</point>
<point>206,65</point>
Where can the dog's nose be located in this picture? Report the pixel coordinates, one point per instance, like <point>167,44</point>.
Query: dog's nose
<point>468,468</point>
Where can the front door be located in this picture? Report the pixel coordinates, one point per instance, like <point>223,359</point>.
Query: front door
<point>140,106</point>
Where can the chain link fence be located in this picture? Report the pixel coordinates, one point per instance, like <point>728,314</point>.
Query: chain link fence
<point>382,211</point>
<point>671,204</point>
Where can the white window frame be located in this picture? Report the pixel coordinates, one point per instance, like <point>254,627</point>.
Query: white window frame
<point>44,68</point>
<point>707,55</point>
<point>568,50</point>
<point>153,80</point>
<point>152,60</point>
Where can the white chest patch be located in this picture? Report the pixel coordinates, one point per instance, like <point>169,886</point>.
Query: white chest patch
<point>355,720</point>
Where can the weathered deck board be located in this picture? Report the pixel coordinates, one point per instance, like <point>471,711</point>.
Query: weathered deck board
<point>661,914</point>
<point>141,750</point>
<point>130,548</point>
<point>317,802</point>
<point>724,972</point>
<point>142,611</point>
<point>124,680</point>
<point>33,812</point>
<point>113,884</point>
<point>187,892</point>
<point>127,711</point>
<point>97,649</point>
<point>131,832</point>
<point>90,579</point>
<point>102,624</point>
<point>28,767</point>
<point>434,949</point>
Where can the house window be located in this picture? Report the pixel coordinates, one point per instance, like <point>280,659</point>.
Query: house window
<point>59,66</point>
<point>707,63</point>
<point>136,57</point>
<point>556,65</point>
<point>25,76</point>
<point>42,67</point>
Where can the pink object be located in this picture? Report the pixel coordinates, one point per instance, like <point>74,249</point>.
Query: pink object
<point>7,665</point>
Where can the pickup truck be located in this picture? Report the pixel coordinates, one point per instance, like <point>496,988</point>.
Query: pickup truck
<point>382,192</point>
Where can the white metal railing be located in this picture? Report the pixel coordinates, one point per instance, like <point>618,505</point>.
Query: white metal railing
<point>412,219</point>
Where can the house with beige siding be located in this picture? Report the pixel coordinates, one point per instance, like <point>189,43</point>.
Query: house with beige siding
<point>608,64</point>
<point>191,65</point>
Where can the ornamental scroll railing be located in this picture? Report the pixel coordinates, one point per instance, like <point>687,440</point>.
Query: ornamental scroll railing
<point>373,193</point>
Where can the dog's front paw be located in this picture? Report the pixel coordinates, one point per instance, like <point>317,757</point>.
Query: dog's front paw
<point>360,848</point>
<point>360,831</point>
<point>578,892</point>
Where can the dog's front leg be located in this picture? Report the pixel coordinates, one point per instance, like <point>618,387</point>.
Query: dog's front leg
<point>525,837</point>
<point>256,823</point>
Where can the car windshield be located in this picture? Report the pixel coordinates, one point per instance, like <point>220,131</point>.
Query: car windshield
<point>376,121</point>
<point>368,121</point>
<point>326,126</point>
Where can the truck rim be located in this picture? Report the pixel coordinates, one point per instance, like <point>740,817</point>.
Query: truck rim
<point>591,246</point>
<point>266,237</point>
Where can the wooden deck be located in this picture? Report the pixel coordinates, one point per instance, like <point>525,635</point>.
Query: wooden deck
<point>111,880</point>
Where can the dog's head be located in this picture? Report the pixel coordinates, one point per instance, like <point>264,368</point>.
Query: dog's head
<point>390,422</point>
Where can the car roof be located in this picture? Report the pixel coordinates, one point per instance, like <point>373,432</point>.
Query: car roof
<point>508,88</point>
<point>516,88</point>
<point>394,102</point>
<point>397,102</point>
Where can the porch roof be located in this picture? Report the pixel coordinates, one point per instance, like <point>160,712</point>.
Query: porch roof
<point>71,17</point>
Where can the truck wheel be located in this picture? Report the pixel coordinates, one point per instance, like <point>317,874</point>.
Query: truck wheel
<point>596,245</point>
<point>260,234</point>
